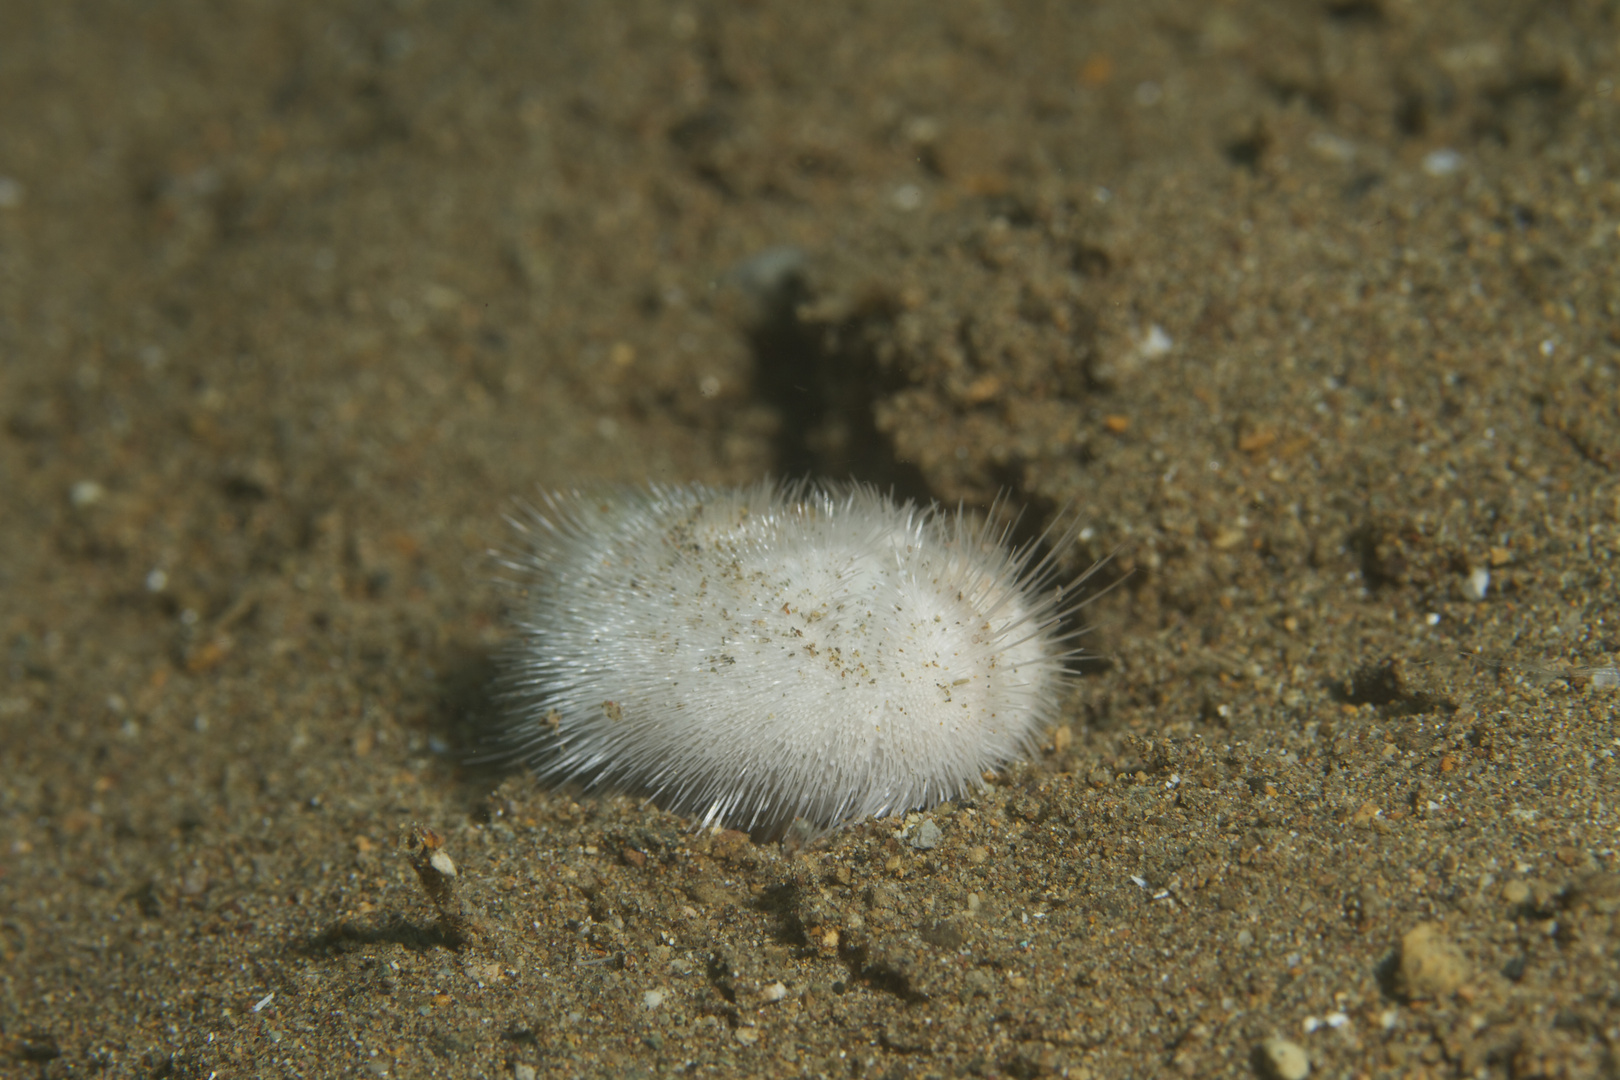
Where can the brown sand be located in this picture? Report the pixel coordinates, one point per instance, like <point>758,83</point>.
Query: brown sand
<point>296,297</point>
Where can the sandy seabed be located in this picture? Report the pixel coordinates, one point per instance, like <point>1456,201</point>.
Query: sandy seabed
<point>1309,310</point>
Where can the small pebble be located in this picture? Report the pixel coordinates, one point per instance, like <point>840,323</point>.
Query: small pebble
<point>652,999</point>
<point>1515,893</point>
<point>925,836</point>
<point>1442,162</point>
<point>1332,147</point>
<point>775,992</point>
<point>1432,965</point>
<point>524,1071</point>
<point>1476,584</point>
<point>86,493</point>
<point>1284,1060</point>
<point>906,197</point>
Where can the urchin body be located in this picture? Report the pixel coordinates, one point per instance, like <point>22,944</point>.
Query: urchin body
<point>774,652</point>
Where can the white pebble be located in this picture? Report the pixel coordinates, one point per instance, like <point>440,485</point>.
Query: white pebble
<point>1475,585</point>
<point>1156,342</point>
<point>1285,1060</point>
<point>1442,162</point>
<point>86,493</point>
<point>906,197</point>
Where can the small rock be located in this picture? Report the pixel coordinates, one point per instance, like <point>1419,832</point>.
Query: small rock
<point>652,999</point>
<point>1442,162</point>
<point>524,1071</point>
<point>925,836</point>
<point>1156,342</point>
<point>747,1036</point>
<point>1476,584</point>
<point>1284,1060</point>
<point>1431,964</point>
<point>774,992</point>
<point>86,493</point>
<point>1515,893</point>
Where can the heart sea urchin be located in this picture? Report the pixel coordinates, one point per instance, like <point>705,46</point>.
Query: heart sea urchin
<point>779,651</point>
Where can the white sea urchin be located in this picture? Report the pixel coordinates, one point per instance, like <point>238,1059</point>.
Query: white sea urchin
<point>780,651</point>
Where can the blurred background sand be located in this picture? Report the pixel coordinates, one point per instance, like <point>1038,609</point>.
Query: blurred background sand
<point>1309,308</point>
